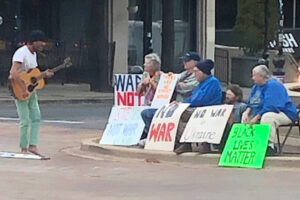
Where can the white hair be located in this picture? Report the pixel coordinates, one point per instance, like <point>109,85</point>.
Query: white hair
<point>262,70</point>
<point>155,59</point>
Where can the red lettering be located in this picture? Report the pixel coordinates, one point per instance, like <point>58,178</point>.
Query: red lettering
<point>154,132</point>
<point>161,132</point>
<point>130,98</point>
<point>120,98</point>
<point>168,137</point>
<point>139,98</point>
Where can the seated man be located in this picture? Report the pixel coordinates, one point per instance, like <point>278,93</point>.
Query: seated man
<point>207,93</point>
<point>187,80</point>
<point>234,96</point>
<point>185,85</point>
<point>268,103</point>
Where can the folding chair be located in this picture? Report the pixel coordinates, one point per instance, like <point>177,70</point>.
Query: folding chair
<point>295,123</point>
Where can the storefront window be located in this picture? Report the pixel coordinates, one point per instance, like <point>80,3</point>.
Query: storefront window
<point>185,29</point>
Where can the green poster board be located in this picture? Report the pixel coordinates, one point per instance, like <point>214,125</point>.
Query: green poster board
<point>246,146</point>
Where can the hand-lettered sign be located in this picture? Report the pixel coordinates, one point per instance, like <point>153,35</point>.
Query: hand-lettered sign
<point>164,90</point>
<point>125,86</point>
<point>124,113</point>
<point>207,124</point>
<point>125,126</point>
<point>246,146</point>
<point>163,128</point>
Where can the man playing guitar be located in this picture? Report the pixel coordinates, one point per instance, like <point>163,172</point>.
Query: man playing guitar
<point>24,60</point>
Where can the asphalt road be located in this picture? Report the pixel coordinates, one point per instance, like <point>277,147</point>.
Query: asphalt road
<point>75,175</point>
<point>80,115</point>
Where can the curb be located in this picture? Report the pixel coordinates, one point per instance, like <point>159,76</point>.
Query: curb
<point>92,145</point>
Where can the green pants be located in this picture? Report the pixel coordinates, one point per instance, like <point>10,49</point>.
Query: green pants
<point>30,119</point>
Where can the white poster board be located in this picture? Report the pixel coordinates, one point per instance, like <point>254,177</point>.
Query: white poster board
<point>164,90</point>
<point>162,133</point>
<point>207,124</point>
<point>125,86</point>
<point>125,126</point>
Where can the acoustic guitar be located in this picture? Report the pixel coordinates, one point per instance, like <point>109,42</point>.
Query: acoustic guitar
<point>33,79</point>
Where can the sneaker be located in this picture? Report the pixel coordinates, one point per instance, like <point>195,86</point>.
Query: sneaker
<point>185,147</point>
<point>271,151</point>
<point>142,143</point>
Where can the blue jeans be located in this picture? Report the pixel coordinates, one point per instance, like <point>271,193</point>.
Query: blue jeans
<point>147,116</point>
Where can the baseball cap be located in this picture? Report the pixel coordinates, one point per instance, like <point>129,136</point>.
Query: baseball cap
<point>191,55</point>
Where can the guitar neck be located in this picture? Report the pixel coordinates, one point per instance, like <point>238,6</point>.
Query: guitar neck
<point>55,69</point>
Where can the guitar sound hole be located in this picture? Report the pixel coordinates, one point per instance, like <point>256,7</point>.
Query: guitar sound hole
<point>33,80</point>
<point>30,88</point>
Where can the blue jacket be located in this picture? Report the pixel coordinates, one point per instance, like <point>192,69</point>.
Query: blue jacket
<point>271,97</point>
<point>207,93</point>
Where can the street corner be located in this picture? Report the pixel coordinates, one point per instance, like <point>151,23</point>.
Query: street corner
<point>91,145</point>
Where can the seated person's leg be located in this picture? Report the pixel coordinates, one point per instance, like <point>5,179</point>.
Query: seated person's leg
<point>183,147</point>
<point>147,116</point>
<point>275,119</point>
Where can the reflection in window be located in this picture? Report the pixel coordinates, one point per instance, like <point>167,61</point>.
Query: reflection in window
<point>185,30</point>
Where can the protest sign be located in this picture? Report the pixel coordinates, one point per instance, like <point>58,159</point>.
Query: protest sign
<point>164,90</point>
<point>246,146</point>
<point>163,128</point>
<point>207,124</point>
<point>124,113</point>
<point>125,126</point>
<point>125,86</point>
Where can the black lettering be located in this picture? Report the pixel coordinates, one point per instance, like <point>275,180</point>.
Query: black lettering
<point>171,110</point>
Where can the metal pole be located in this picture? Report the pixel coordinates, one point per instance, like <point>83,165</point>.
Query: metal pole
<point>279,59</point>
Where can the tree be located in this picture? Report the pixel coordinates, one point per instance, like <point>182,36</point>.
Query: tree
<point>249,28</point>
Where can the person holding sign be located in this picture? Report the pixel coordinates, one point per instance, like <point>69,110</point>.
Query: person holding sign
<point>268,103</point>
<point>187,80</point>
<point>207,93</point>
<point>184,87</point>
<point>150,77</point>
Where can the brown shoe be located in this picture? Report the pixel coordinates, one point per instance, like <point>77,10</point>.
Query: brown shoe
<point>185,147</point>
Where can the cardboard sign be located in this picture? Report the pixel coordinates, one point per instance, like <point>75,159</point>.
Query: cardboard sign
<point>163,128</point>
<point>124,113</point>
<point>4,154</point>
<point>207,124</point>
<point>123,133</point>
<point>164,90</point>
<point>125,86</point>
<point>125,126</point>
<point>246,146</point>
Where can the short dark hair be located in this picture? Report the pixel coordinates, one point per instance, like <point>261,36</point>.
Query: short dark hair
<point>37,35</point>
<point>237,91</point>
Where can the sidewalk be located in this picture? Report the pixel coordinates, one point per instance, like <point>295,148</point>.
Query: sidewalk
<point>73,93</point>
<point>210,159</point>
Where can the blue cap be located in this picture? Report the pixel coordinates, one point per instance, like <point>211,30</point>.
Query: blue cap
<point>191,55</point>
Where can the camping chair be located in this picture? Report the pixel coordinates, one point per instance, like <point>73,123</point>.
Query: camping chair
<point>295,123</point>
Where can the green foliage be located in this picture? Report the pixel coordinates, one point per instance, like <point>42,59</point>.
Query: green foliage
<point>250,24</point>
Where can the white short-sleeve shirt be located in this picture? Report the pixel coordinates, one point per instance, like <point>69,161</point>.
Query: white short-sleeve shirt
<point>24,56</point>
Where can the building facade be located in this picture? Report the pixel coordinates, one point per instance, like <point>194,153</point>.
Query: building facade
<point>107,36</point>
